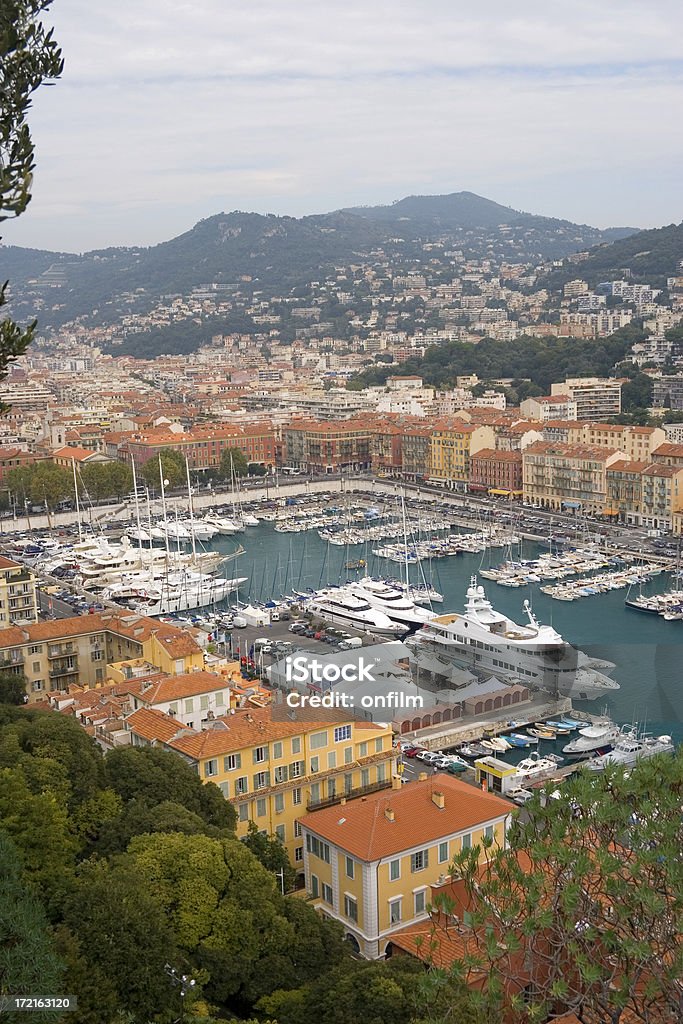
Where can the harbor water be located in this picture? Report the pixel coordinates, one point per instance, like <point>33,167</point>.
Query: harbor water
<point>646,649</point>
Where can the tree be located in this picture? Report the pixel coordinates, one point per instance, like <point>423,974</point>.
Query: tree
<point>28,961</point>
<point>173,464</point>
<point>272,854</point>
<point>153,777</point>
<point>583,908</point>
<point>43,483</point>
<point>107,480</point>
<point>12,688</point>
<point>233,461</point>
<point>28,57</point>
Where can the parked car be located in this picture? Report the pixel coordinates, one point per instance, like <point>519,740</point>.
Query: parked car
<point>521,796</point>
<point>409,751</point>
<point>455,767</point>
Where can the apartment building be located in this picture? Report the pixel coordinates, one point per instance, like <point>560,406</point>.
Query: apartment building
<point>18,599</point>
<point>662,495</point>
<point>77,651</point>
<point>370,863</point>
<point>453,443</point>
<point>416,444</point>
<point>497,472</point>
<point>328,447</point>
<point>596,398</point>
<point>624,480</point>
<point>548,407</point>
<point>568,477</point>
<point>275,768</point>
<point>203,445</point>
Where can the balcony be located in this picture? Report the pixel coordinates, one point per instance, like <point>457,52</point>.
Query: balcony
<point>60,651</point>
<point>71,668</point>
<point>330,801</point>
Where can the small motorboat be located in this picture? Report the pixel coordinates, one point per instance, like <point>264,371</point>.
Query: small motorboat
<point>542,734</point>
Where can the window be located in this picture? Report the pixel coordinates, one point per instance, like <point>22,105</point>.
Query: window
<point>296,796</point>
<point>467,841</point>
<point>97,655</point>
<point>381,772</point>
<point>280,773</point>
<point>36,648</point>
<point>443,852</point>
<point>327,894</point>
<point>277,749</point>
<point>318,848</point>
<point>243,811</point>
<point>261,780</point>
<point>315,887</point>
<point>420,902</point>
<point>36,666</point>
<point>280,832</point>
<point>279,803</point>
<point>331,787</point>
<point>203,703</point>
<point>332,759</point>
<point>394,870</point>
<point>211,768</point>
<point>489,832</point>
<point>350,867</point>
<point>296,769</point>
<point>225,789</point>
<point>297,829</point>
<point>379,744</point>
<point>318,740</point>
<point>220,699</point>
<point>173,708</point>
<point>299,853</point>
<point>231,762</point>
<point>315,793</point>
<point>348,783</point>
<point>419,861</point>
<point>37,685</point>
<point>189,706</point>
<point>348,755</point>
<point>315,765</point>
<point>395,911</point>
<point>350,908</point>
<point>342,732</point>
<point>241,785</point>
<point>260,754</point>
<point>261,808</point>
<point>365,777</point>
<point>363,750</point>
<point>296,745</point>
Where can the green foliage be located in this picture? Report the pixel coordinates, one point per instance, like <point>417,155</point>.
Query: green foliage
<point>107,480</point>
<point>173,465</point>
<point>12,688</point>
<point>28,57</point>
<point>28,961</point>
<point>541,360</point>
<point>585,903</point>
<point>41,483</point>
<point>154,777</point>
<point>233,461</point>
<point>651,256</point>
<point>272,854</point>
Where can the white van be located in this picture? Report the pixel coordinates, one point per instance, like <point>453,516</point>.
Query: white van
<point>352,643</point>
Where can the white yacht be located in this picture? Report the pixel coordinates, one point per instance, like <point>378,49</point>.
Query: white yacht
<point>486,640</point>
<point>341,606</point>
<point>535,765</point>
<point>398,606</point>
<point>597,738</point>
<point>179,592</point>
<point>630,748</point>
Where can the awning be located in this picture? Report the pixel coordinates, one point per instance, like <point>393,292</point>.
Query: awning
<point>477,487</point>
<point>502,494</point>
<point>610,511</point>
<point>571,504</point>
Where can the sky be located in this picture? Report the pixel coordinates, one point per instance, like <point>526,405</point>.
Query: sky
<point>170,111</point>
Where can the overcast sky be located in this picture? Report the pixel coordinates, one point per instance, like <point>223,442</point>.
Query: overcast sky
<point>173,110</point>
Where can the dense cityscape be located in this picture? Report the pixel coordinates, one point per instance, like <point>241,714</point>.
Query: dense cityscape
<point>340,600</point>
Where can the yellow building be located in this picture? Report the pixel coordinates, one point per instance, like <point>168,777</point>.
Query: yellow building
<point>370,863</point>
<point>275,769</point>
<point>569,477</point>
<point>18,601</point>
<point>77,651</point>
<point>453,443</point>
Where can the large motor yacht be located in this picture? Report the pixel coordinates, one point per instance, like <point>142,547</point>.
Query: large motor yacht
<point>484,640</point>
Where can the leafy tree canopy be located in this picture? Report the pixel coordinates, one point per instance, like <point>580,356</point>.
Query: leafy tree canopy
<point>173,464</point>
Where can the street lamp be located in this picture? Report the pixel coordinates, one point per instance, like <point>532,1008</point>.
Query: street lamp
<point>184,983</point>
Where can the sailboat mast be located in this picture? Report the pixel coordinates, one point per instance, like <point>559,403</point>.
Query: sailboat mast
<point>78,507</point>
<point>163,505</point>
<point>189,498</point>
<point>137,505</point>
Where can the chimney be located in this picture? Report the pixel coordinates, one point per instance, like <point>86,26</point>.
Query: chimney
<point>439,799</point>
<point>389,814</point>
<point>396,782</point>
<point>422,777</point>
<point>342,801</point>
